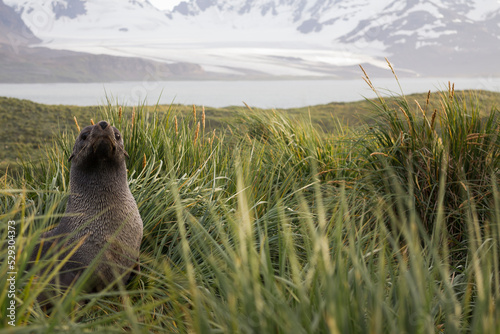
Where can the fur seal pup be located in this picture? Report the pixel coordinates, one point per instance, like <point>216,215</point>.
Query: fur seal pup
<point>101,219</point>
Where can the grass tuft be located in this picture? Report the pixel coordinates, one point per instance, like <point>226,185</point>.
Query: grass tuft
<point>276,226</point>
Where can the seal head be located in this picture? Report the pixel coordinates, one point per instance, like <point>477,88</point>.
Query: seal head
<point>100,143</point>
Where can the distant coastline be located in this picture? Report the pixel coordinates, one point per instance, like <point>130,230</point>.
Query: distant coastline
<point>222,93</point>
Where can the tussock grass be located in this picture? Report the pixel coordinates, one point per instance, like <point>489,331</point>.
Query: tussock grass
<point>418,146</point>
<point>275,226</point>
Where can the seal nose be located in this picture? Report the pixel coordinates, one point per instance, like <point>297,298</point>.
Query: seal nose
<point>103,124</point>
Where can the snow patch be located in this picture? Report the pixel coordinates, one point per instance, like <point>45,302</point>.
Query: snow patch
<point>483,9</point>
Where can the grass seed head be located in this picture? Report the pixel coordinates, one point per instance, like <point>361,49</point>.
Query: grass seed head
<point>392,68</point>
<point>76,122</point>
<point>367,78</point>
<point>196,132</point>
<point>410,126</point>
<point>433,118</point>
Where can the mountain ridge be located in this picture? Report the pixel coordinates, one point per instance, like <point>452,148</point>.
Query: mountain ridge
<point>13,31</point>
<point>20,62</point>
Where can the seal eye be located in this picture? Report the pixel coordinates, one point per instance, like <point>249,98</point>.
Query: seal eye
<point>83,136</point>
<point>117,136</point>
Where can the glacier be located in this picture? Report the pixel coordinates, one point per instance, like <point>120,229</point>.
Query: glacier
<point>296,38</point>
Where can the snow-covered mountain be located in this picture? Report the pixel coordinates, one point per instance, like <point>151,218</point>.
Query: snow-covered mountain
<point>279,37</point>
<point>21,63</point>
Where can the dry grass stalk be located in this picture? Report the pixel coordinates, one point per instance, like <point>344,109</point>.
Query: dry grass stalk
<point>133,117</point>
<point>203,117</point>
<point>194,113</point>
<point>246,105</point>
<point>420,108</point>
<point>76,122</point>
<point>367,78</point>
<point>451,89</point>
<point>433,118</point>
<point>368,81</point>
<point>428,99</point>
<point>120,113</point>
<point>476,139</point>
<point>144,161</point>
<point>423,113</point>
<point>407,119</point>
<point>392,68</point>
<point>212,140</point>
<point>176,126</point>
<point>92,121</point>
<point>196,133</point>
<point>378,153</point>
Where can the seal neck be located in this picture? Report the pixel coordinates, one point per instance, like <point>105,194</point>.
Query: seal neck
<point>101,178</point>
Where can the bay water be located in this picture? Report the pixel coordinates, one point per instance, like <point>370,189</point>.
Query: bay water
<point>264,93</point>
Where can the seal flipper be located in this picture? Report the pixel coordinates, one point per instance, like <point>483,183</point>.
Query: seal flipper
<point>133,274</point>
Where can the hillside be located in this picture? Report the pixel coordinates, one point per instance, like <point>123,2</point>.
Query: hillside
<point>273,227</point>
<point>26,127</point>
<point>32,65</point>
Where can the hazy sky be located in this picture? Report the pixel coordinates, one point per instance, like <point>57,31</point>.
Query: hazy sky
<point>165,4</point>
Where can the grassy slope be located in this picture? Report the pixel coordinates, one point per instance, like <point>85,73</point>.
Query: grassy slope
<point>26,127</point>
<point>276,227</point>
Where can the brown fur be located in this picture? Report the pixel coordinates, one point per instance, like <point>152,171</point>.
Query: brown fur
<point>101,213</point>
